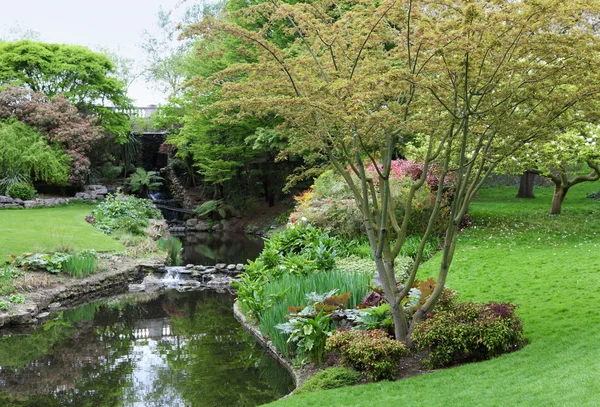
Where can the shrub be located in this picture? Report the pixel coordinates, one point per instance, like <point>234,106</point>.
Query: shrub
<point>21,190</point>
<point>330,378</point>
<point>124,212</point>
<point>469,332</point>
<point>372,352</point>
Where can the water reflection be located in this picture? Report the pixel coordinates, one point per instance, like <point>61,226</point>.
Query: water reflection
<point>208,249</point>
<point>173,349</point>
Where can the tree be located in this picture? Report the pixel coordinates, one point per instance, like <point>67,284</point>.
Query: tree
<point>560,161</point>
<point>166,57</point>
<point>59,122</point>
<point>84,77</point>
<point>458,84</point>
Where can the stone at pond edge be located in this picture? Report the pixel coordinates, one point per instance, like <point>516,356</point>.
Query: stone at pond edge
<point>220,266</point>
<point>42,315</point>
<point>136,288</point>
<point>54,305</point>
<point>239,267</point>
<point>200,268</point>
<point>231,267</point>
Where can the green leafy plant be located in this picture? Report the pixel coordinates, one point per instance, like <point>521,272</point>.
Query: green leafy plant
<point>378,317</point>
<point>372,352</point>
<point>124,212</point>
<point>52,263</point>
<point>21,190</point>
<point>142,181</point>
<point>216,208</point>
<point>4,305</point>
<point>330,378</point>
<point>17,299</point>
<point>469,332</point>
<point>309,334</point>
<point>7,276</point>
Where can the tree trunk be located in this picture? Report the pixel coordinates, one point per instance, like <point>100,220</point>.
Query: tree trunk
<point>559,196</point>
<point>526,185</point>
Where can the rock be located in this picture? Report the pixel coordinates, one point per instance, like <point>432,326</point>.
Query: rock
<point>231,267</point>
<point>217,227</point>
<point>152,283</point>
<point>54,305</point>
<point>5,199</point>
<point>136,288</point>
<point>200,268</point>
<point>220,266</point>
<point>239,267</point>
<point>186,271</point>
<point>191,223</point>
<point>42,315</point>
<point>189,266</point>
<point>190,283</point>
<point>29,204</point>
<point>202,226</point>
<point>210,270</point>
<point>219,281</point>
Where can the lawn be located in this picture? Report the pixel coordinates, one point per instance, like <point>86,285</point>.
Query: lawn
<point>51,229</point>
<point>550,267</point>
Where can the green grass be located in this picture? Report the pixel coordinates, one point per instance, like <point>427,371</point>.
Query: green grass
<point>550,267</point>
<point>47,229</point>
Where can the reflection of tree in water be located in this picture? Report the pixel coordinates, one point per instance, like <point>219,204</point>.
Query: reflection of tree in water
<point>86,364</point>
<point>97,355</point>
<point>213,362</point>
<point>211,248</point>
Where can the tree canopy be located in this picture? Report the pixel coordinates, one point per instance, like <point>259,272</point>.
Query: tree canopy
<point>84,77</point>
<point>459,85</point>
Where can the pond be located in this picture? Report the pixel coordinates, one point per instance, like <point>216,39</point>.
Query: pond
<point>163,349</point>
<point>208,249</point>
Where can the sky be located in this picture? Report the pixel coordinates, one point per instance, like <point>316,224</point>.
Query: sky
<point>114,24</point>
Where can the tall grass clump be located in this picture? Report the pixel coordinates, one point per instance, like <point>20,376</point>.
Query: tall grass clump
<point>81,264</point>
<point>173,247</point>
<point>290,291</point>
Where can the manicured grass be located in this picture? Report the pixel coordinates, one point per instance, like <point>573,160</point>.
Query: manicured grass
<point>48,229</point>
<point>550,267</point>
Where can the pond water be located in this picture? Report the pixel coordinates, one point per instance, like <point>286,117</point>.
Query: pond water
<point>167,349</point>
<point>208,249</point>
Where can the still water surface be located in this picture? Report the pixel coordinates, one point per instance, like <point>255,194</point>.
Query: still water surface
<point>167,349</point>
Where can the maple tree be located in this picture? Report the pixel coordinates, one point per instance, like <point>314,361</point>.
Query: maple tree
<point>459,85</point>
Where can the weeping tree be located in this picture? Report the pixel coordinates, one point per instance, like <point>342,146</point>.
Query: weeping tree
<point>459,85</point>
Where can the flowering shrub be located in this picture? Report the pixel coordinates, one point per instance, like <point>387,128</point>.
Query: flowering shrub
<point>469,332</point>
<point>373,352</point>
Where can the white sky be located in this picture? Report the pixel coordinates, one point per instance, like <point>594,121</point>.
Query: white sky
<point>114,24</point>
